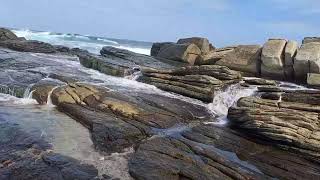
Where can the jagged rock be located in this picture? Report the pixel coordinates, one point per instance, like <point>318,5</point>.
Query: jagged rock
<point>28,46</point>
<point>313,80</point>
<point>272,58</point>
<point>6,34</point>
<point>290,53</point>
<point>117,120</point>
<point>244,58</point>
<point>187,53</point>
<point>202,43</point>
<point>289,125</point>
<point>307,60</point>
<point>156,47</point>
<point>310,39</point>
<point>24,156</point>
<point>205,152</point>
<point>198,82</point>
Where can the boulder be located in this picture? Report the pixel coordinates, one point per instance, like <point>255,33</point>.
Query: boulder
<point>202,43</point>
<point>310,39</point>
<point>6,34</point>
<point>156,47</point>
<point>290,53</point>
<point>307,60</point>
<point>180,52</point>
<point>272,58</point>
<point>213,56</point>
<point>41,90</point>
<point>244,58</point>
<point>313,80</point>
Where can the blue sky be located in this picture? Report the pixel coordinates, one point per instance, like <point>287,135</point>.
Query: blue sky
<point>224,22</point>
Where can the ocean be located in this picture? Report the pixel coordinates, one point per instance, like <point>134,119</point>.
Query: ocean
<point>91,43</point>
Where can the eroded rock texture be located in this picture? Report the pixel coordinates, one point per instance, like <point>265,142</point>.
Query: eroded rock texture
<point>198,82</point>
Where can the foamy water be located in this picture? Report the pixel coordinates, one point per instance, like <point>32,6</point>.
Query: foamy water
<point>90,43</point>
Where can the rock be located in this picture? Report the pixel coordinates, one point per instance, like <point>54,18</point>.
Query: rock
<point>156,47</point>
<point>258,81</point>
<point>202,43</point>
<point>313,80</point>
<point>118,121</point>
<point>209,152</point>
<point>24,156</point>
<point>290,53</point>
<point>187,53</point>
<point>244,58</point>
<point>28,46</point>
<point>307,60</point>
<point>272,58</point>
<point>198,82</point>
<point>41,90</point>
<point>213,56</point>
<point>6,34</point>
<point>289,125</point>
<point>310,39</point>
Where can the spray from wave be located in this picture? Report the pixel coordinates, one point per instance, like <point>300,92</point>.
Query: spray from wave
<point>91,43</point>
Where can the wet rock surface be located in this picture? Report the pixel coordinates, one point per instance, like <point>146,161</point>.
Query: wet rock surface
<point>23,156</point>
<point>215,153</point>
<point>118,121</point>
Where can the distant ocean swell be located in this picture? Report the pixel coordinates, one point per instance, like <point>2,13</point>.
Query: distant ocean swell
<point>90,43</point>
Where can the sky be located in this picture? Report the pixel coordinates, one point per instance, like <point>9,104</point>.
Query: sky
<point>223,22</point>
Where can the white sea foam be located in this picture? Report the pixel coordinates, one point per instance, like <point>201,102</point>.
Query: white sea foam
<point>91,44</point>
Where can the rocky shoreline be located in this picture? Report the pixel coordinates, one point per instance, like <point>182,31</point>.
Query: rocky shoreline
<point>273,134</point>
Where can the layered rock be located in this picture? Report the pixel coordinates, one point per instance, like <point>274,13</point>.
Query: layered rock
<point>244,58</point>
<point>28,46</point>
<point>272,58</point>
<point>290,122</point>
<point>198,82</point>
<point>117,120</point>
<point>313,80</point>
<point>157,47</point>
<point>307,60</point>
<point>205,152</point>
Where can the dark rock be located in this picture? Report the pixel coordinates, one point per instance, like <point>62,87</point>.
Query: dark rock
<point>156,47</point>
<point>6,34</point>
<point>258,81</point>
<point>28,46</point>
